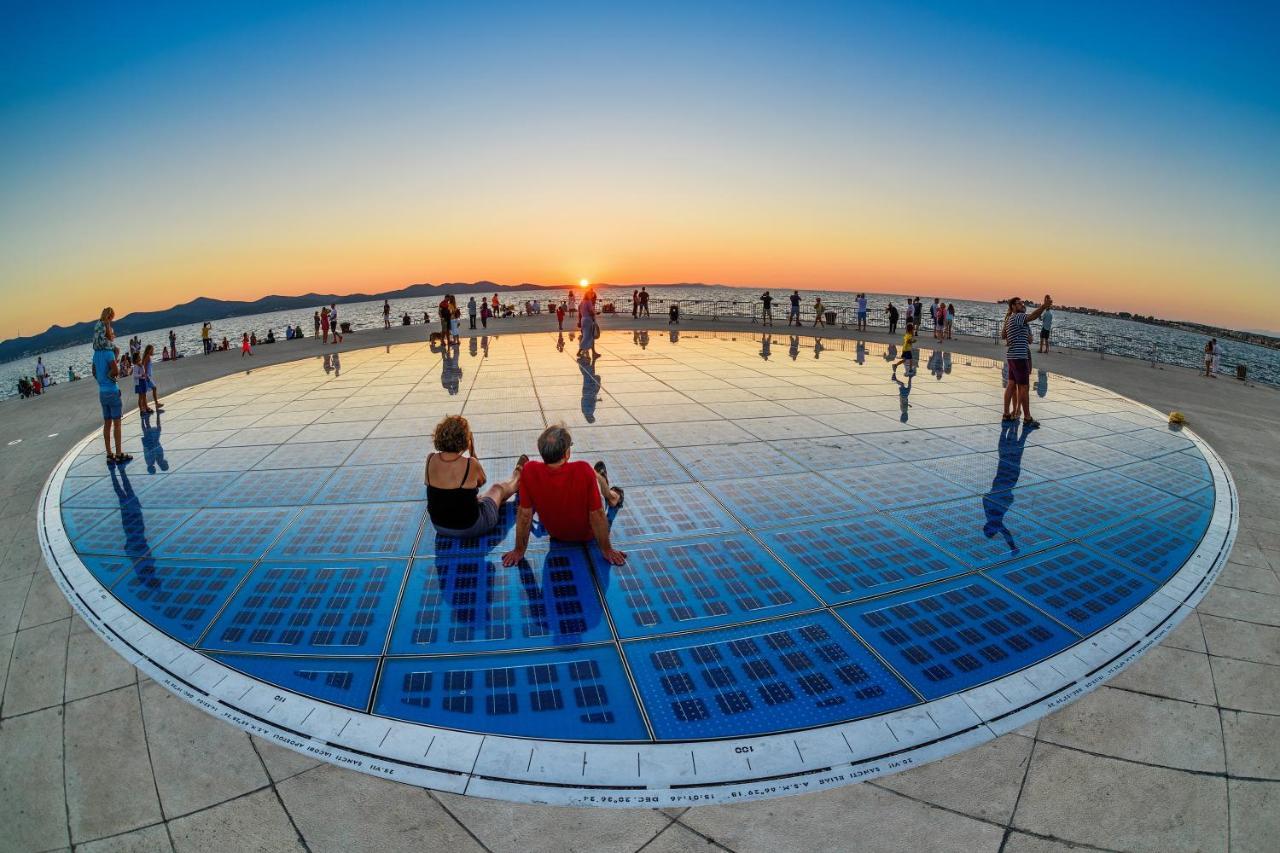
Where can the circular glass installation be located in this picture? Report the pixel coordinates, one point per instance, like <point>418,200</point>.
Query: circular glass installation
<point>833,572</point>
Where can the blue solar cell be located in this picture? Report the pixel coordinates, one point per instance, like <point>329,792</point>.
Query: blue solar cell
<point>105,492</point>
<point>784,499</point>
<point>179,597</point>
<point>1144,444</point>
<point>271,487</point>
<point>1188,462</point>
<point>666,512</point>
<point>375,484</point>
<point>574,694</point>
<point>897,484</point>
<point>377,451</point>
<point>913,445</point>
<point>1187,518</point>
<point>106,569</point>
<point>783,674</point>
<point>497,540</point>
<point>1205,497</point>
<point>1076,586</point>
<point>1146,546</point>
<point>726,461</point>
<point>353,530</point>
<point>339,681</point>
<point>186,490</point>
<point>314,455</point>
<point>227,533</point>
<point>851,558</point>
<point>956,634</point>
<point>976,473</point>
<point>1068,511</point>
<point>130,531</point>
<point>471,603</point>
<point>1094,453</point>
<point>1051,464</point>
<point>1126,494</point>
<point>1167,479</point>
<point>76,520</point>
<point>333,609</point>
<point>980,530</point>
<point>666,587</point>
<point>837,451</point>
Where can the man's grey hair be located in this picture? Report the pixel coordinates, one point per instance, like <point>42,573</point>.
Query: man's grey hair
<point>554,443</point>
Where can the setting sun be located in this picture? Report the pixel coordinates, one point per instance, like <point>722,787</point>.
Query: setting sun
<point>582,282</point>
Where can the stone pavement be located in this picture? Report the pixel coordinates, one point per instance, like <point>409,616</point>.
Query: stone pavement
<point>1180,752</point>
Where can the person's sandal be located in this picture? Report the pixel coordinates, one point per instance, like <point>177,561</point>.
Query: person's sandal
<point>601,470</point>
<point>1031,424</point>
<point>622,496</point>
<point>122,458</point>
<point>524,457</point>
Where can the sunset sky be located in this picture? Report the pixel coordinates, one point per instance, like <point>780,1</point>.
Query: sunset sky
<point>1128,159</point>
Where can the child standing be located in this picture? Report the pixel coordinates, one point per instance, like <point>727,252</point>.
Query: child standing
<point>908,351</point>
<point>245,348</point>
<point>147,355</point>
<point>107,371</point>
<point>560,315</point>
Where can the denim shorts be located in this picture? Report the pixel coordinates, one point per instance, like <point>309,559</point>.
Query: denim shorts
<point>111,407</point>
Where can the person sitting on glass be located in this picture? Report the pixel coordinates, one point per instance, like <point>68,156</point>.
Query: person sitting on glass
<point>569,498</point>
<point>454,481</point>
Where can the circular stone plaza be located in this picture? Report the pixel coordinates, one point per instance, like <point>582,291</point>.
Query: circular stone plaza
<point>857,611</point>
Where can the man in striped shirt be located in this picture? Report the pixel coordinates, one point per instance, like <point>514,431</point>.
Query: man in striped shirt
<point>1017,336</point>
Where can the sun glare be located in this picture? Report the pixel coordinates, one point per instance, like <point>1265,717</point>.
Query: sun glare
<point>582,282</point>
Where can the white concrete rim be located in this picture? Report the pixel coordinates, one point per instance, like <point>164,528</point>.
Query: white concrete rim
<point>629,774</point>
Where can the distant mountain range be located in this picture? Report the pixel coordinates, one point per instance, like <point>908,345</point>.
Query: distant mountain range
<point>204,308</point>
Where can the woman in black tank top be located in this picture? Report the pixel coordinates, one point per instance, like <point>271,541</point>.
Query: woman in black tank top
<point>454,481</point>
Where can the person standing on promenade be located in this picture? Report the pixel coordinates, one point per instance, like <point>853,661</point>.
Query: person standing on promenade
<point>644,302</point>
<point>247,349</point>
<point>1017,335</point>
<point>908,351</point>
<point>793,317</point>
<point>1217,357</point>
<point>386,314</point>
<point>495,306</point>
<point>1046,326</point>
<point>42,372</point>
<point>635,304</point>
<point>445,313</point>
<point>324,325</point>
<point>939,321</point>
<point>316,325</point>
<point>817,312</point>
<point>862,312</point>
<point>951,318</point>
<point>455,322</point>
<point>471,312</point>
<point>892,311</point>
<point>104,336</point>
<point>106,370</point>
<point>569,498</point>
<point>590,328</point>
<point>767,312</point>
<point>173,344</point>
<point>333,322</point>
<point>560,315</point>
<point>206,336</point>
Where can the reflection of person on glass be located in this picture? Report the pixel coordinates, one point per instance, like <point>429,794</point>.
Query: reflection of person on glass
<point>450,371</point>
<point>560,342</point>
<point>817,347</point>
<point>794,350</point>
<point>860,351</point>
<point>904,395</point>
<point>548,615</point>
<point>135,528</point>
<point>1042,382</point>
<point>766,346</point>
<point>997,501</point>
<point>152,452</point>
<point>590,390</point>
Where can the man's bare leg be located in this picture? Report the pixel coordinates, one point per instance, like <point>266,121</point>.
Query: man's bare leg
<point>503,491</point>
<point>611,495</point>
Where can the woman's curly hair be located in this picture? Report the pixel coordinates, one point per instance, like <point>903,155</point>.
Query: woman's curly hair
<point>452,434</point>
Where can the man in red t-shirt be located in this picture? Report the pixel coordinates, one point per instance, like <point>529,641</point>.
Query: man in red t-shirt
<point>568,496</point>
